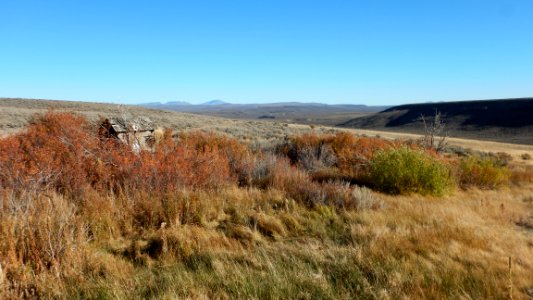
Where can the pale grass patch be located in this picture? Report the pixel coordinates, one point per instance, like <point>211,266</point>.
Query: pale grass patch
<point>2,278</point>
<point>478,227</point>
<point>270,225</point>
<point>365,198</point>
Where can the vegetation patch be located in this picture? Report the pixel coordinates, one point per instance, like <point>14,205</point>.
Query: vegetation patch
<point>483,172</point>
<point>202,215</point>
<point>403,171</point>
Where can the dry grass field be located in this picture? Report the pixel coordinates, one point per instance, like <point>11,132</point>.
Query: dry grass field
<point>15,114</point>
<point>242,212</point>
<point>295,112</point>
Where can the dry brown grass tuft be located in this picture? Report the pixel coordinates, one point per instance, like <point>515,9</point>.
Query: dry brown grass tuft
<point>269,225</point>
<point>521,174</point>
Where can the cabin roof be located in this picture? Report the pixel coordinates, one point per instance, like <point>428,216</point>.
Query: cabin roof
<point>140,124</point>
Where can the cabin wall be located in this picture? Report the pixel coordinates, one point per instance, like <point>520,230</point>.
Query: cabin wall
<point>138,140</point>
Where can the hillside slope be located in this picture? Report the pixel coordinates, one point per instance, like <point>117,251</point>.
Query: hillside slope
<point>506,120</point>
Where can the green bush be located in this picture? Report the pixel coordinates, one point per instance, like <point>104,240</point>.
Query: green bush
<point>483,172</point>
<point>404,171</point>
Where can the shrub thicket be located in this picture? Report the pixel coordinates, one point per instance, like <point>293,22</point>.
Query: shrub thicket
<point>60,151</point>
<point>483,172</point>
<point>403,171</point>
<point>348,154</point>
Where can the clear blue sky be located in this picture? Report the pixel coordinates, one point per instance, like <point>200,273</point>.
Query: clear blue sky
<point>370,52</point>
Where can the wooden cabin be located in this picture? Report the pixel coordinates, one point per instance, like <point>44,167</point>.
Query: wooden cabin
<point>138,133</point>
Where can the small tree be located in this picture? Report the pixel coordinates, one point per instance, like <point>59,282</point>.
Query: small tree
<point>435,135</point>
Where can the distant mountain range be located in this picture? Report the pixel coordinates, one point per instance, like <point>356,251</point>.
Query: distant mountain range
<point>215,102</point>
<point>219,104</point>
<point>182,103</point>
<point>297,112</point>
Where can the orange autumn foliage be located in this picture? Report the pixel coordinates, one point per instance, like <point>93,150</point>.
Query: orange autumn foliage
<point>348,153</point>
<point>57,150</point>
<point>61,151</point>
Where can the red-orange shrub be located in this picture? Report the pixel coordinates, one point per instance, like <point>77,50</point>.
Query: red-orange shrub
<point>344,151</point>
<point>61,151</point>
<point>239,158</point>
<point>54,152</point>
<point>170,167</point>
<point>354,153</point>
